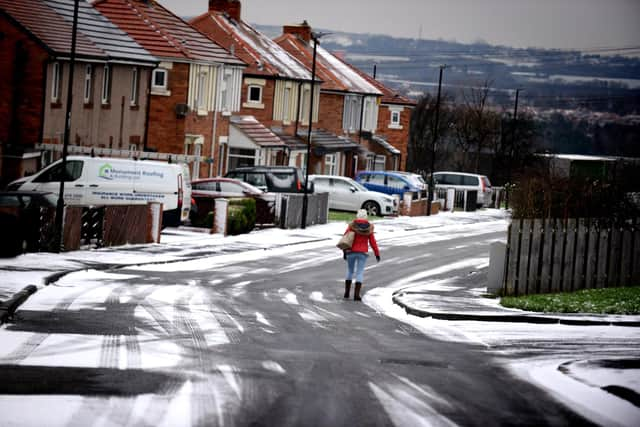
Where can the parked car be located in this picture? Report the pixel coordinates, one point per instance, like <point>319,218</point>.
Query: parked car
<point>206,190</point>
<point>116,181</point>
<point>273,179</point>
<point>465,181</point>
<point>393,182</point>
<point>345,194</point>
<point>25,218</point>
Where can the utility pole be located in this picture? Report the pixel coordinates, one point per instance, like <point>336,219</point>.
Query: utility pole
<point>512,148</point>
<point>305,199</point>
<point>67,130</point>
<point>434,142</point>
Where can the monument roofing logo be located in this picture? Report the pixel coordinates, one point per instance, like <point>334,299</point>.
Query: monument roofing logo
<point>106,171</point>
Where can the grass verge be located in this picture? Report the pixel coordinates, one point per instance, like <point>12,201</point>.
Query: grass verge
<point>597,301</point>
<point>347,216</point>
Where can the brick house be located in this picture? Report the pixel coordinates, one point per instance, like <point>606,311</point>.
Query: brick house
<point>276,89</point>
<point>110,83</point>
<point>349,105</point>
<point>194,90</point>
<point>391,138</point>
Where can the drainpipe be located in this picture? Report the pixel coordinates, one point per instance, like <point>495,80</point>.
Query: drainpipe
<point>145,138</point>
<point>300,88</point>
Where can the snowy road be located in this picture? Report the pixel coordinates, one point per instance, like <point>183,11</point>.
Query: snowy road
<point>264,338</point>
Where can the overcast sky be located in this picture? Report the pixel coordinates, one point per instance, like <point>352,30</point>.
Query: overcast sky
<point>520,23</point>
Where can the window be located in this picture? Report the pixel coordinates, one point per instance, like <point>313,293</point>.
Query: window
<point>135,86</point>
<point>159,79</point>
<point>197,151</point>
<point>254,94</point>
<point>230,187</point>
<point>56,78</point>
<point>395,118</point>
<point>239,157</point>
<point>286,105</point>
<point>88,84</point>
<point>331,164</point>
<point>106,85</point>
<point>201,99</point>
<point>56,173</point>
<point>380,163</point>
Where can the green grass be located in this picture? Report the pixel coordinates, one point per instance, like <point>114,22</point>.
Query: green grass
<point>347,216</point>
<point>597,301</point>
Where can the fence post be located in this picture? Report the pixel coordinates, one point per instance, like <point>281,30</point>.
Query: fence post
<point>603,254</point>
<point>560,235</point>
<point>615,252</point>
<point>513,254</point>
<point>592,255</point>
<point>635,260</point>
<point>220,216</point>
<point>525,256</point>
<point>626,257</point>
<point>570,256</point>
<point>582,253</point>
<point>547,252</point>
<point>534,262</point>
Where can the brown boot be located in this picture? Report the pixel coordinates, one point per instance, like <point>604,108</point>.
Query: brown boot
<point>347,288</point>
<point>356,293</point>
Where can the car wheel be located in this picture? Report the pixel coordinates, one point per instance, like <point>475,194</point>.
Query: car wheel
<point>372,208</point>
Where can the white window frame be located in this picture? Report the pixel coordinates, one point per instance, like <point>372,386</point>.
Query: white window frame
<point>135,86</point>
<point>56,79</point>
<point>254,101</point>
<point>88,83</point>
<point>106,85</point>
<point>395,124</point>
<point>203,88</point>
<point>379,161</point>
<point>162,87</point>
<point>286,106</point>
<point>331,164</point>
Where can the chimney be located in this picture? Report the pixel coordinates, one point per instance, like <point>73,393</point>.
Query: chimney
<point>230,7</point>
<point>301,30</point>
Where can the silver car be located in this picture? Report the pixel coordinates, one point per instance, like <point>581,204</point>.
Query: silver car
<point>345,194</point>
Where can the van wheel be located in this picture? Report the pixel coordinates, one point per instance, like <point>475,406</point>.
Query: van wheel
<point>372,208</point>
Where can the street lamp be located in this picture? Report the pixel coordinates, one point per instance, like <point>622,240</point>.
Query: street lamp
<point>305,200</point>
<point>435,140</point>
<point>67,130</point>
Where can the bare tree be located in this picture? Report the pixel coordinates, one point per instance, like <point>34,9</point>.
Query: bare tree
<point>475,126</point>
<point>421,131</point>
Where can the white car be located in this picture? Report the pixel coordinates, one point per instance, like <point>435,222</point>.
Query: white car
<point>345,194</point>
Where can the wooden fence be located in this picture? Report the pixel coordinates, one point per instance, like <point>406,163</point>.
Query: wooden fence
<point>555,255</point>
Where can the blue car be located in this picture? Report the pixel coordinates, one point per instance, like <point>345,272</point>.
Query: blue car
<point>392,182</point>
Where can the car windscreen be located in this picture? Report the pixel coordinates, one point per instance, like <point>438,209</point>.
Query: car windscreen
<point>416,180</point>
<point>358,186</point>
<point>283,180</point>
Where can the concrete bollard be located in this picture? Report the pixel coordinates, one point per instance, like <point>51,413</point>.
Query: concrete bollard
<point>497,260</point>
<point>220,217</point>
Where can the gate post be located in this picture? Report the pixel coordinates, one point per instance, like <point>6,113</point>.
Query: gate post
<point>220,217</point>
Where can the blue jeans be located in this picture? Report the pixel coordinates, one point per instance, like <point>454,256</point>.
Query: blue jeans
<point>356,261</point>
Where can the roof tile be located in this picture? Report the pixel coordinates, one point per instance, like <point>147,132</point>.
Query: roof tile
<point>163,33</point>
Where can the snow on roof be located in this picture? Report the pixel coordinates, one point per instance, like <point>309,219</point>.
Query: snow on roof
<point>264,56</point>
<point>51,21</point>
<point>163,33</point>
<point>353,81</point>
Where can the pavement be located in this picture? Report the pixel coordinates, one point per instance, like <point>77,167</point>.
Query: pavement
<point>457,302</point>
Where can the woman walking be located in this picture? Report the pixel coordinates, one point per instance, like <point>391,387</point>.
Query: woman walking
<point>357,256</point>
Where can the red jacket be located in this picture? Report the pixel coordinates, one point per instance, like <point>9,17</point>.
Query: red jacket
<point>364,236</point>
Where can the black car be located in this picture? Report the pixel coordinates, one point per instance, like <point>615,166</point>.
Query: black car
<point>26,220</point>
<point>274,179</point>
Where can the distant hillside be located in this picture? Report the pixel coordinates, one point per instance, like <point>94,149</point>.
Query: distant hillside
<point>549,79</point>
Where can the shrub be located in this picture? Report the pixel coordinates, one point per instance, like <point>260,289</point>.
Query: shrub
<point>242,216</point>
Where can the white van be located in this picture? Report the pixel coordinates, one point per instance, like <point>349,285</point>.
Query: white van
<point>114,181</point>
<point>465,181</point>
